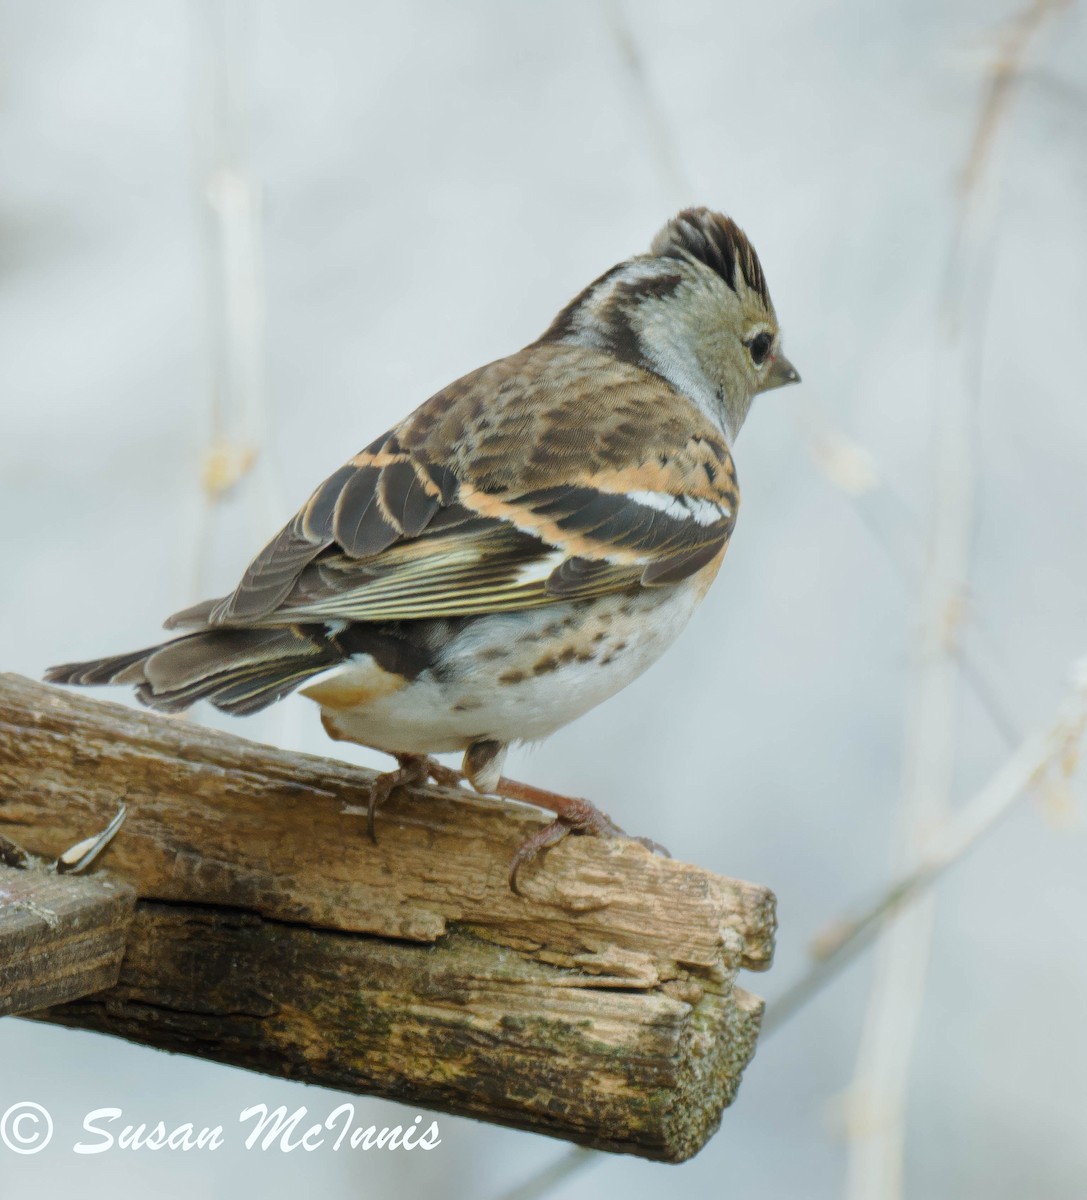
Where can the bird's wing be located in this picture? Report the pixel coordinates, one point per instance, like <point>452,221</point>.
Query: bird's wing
<point>557,473</point>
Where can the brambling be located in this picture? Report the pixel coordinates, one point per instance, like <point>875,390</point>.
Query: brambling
<point>518,549</point>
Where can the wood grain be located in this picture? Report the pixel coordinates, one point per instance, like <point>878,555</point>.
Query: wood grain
<point>61,937</point>
<point>600,1006</point>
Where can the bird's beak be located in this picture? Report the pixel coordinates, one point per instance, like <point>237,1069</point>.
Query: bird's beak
<point>781,372</point>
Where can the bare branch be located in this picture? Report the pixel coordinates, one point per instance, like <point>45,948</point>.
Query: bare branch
<point>880,1085</point>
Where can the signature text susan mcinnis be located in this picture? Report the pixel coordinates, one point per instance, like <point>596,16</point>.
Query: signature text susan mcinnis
<point>264,1129</point>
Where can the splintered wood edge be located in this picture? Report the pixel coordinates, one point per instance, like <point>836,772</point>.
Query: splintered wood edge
<point>61,937</point>
<point>461,1027</point>
<point>216,819</point>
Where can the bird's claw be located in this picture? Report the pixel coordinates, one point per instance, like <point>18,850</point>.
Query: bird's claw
<point>413,769</point>
<point>578,817</point>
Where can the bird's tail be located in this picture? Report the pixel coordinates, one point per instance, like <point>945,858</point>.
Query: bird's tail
<point>239,670</point>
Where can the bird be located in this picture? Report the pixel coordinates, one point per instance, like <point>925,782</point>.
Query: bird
<point>515,551</point>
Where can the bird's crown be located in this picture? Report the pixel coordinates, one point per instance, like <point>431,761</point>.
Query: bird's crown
<point>717,242</point>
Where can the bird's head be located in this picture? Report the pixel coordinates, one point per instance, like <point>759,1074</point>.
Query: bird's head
<point>695,310</point>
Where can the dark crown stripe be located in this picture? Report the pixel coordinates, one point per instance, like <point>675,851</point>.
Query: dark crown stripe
<point>717,242</point>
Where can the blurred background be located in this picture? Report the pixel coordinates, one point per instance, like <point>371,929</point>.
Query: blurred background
<point>238,240</point>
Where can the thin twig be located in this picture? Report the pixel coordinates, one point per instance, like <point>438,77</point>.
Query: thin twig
<point>550,1176</point>
<point>661,137</point>
<point>237,458</point>
<point>1040,753</point>
<point>1004,77</point>
<point>229,211</point>
<point>878,1093</point>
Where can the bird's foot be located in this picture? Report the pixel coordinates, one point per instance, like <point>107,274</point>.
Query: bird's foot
<point>443,776</point>
<point>572,815</point>
<point>412,768</point>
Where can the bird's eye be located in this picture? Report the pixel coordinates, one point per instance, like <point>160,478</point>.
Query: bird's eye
<point>760,347</point>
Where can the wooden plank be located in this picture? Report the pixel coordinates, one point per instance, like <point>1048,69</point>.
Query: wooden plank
<point>461,1026</point>
<point>61,936</point>
<point>600,1005</point>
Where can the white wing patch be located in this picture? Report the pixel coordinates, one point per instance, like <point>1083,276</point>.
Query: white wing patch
<point>539,570</point>
<point>682,508</point>
<point>705,512</point>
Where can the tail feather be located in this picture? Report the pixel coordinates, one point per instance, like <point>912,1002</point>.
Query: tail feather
<point>99,670</point>
<point>238,670</point>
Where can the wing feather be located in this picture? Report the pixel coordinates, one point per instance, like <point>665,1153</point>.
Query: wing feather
<point>457,512</point>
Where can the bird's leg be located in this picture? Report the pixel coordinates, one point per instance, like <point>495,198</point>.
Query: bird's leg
<point>412,768</point>
<point>443,776</point>
<point>482,762</point>
<point>572,815</point>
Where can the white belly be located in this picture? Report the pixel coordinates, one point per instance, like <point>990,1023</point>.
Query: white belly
<point>509,677</point>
